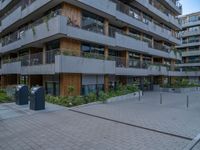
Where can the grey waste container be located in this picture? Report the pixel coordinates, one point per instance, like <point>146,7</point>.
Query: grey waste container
<point>37,98</point>
<point>21,95</point>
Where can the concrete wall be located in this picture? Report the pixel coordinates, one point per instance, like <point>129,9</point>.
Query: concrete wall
<point>4,4</point>
<point>11,68</point>
<point>56,25</point>
<point>71,64</point>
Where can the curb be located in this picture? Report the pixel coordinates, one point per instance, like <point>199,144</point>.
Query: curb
<point>193,143</point>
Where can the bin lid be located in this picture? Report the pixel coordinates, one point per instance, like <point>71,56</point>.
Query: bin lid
<point>18,87</point>
<point>34,89</point>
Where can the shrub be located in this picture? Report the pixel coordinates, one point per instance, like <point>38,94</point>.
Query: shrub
<point>4,98</point>
<point>70,101</point>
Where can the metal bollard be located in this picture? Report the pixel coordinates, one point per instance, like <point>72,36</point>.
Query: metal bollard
<point>139,97</point>
<point>161,98</point>
<point>187,102</point>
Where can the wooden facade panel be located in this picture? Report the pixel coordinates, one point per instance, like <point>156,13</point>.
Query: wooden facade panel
<point>70,80</point>
<point>72,12</point>
<point>70,45</point>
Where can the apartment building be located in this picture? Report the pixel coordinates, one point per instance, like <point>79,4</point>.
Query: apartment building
<point>190,46</point>
<point>88,44</point>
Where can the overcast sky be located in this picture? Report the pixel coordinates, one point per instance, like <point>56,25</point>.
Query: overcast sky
<point>190,6</point>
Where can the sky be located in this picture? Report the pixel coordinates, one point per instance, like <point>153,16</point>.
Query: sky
<point>190,6</point>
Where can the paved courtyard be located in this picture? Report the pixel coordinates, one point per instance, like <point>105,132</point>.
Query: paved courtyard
<point>127,125</point>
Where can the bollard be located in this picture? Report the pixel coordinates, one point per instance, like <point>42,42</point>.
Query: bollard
<point>187,102</point>
<point>139,96</point>
<point>161,98</point>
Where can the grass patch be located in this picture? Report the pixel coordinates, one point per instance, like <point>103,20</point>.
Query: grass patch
<point>4,98</point>
<point>71,101</point>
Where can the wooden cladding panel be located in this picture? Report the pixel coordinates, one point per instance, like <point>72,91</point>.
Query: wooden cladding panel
<point>70,45</point>
<point>72,12</point>
<point>70,80</point>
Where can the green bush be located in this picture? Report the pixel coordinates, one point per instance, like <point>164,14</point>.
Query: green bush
<point>4,98</point>
<point>181,83</point>
<point>70,101</point>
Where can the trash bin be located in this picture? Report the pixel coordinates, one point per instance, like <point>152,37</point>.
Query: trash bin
<point>21,95</point>
<point>37,98</point>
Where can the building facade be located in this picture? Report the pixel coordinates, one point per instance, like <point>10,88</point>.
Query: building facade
<point>88,44</point>
<point>190,46</point>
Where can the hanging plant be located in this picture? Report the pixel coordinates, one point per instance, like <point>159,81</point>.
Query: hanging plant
<point>33,30</point>
<point>46,20</point>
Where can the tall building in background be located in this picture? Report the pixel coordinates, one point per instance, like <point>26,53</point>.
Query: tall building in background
<point>89,45</point>
<point>190,46</point>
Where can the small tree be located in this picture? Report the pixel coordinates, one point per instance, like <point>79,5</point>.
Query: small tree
<point>71,90</point>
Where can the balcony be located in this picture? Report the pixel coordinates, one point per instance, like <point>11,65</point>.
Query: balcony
<point>190,64</point>
<point>73,64</point>
<point>125,14</point>
<point>171,20</point>
<point>37,31</point>
<point>129,42</point>
<point>190,33</point>
<point>105,6</point>
<point>54,26</point>
<point>4,4</point>
<point>11,67</point>
<point>188,23</point>
<point>11,18</point>
<point>191,53</point>
<point>77,32</point>
<point>20,11</point>
<point>175,5</point>
<point>195,42</point>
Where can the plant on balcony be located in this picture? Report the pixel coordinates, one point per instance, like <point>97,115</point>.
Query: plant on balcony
<point>46,20</point>
<point>33,30</point>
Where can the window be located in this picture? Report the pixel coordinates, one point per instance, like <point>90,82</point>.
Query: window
<point>52,85</point>
<point>51,49</point>
<point>92,23</point>
<point>88,48</point>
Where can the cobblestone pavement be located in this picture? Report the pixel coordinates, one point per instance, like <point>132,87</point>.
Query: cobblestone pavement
<point>197,147</point>
<point>66,130</point>
<point>59,128</point>
<point>172,116</point>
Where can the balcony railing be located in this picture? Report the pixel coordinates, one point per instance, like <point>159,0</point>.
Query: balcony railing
<point>48,57</point>
<point>191,41</point>
<point>177,4</point>
<point>22,3</point>
<point>17,35</point>
<point>136,14</point>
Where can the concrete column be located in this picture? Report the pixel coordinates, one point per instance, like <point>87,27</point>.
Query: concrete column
<point>44,54</point>
<point>153,42</point>
<point>126,30</point>
<point>125,55</point>
<point>29,53</point>
<point>106,83</point>
<point>106,52</point>
<point>106,27</point>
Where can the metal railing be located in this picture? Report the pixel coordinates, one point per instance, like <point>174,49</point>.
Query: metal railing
<point>17,35</point>
<point>177,4</point>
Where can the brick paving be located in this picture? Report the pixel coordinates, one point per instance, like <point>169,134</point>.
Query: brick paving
<point>58,128</point>
<point>66,130</point>
<point>172,116</point>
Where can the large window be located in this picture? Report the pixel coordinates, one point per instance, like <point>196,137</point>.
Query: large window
<point>52,85</point>
<point>92,23</point>
<point>92,84</point>
<point>88,48</point>
<point>51,50</point>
